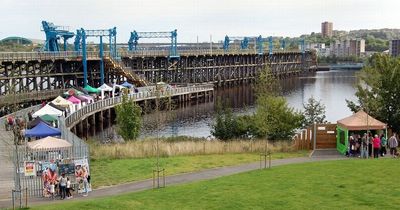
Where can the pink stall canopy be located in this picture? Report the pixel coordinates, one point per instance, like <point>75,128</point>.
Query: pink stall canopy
<point>85,98</point>
<point>74,100</point>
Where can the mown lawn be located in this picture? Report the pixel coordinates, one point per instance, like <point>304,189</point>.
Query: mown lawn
<point>117,171</point>
<point>344,184</point>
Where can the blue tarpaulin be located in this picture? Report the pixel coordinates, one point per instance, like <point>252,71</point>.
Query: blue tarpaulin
<point>127,84</point>
<point>42,130</point>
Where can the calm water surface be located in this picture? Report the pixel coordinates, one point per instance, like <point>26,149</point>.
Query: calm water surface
<point>331,87</point>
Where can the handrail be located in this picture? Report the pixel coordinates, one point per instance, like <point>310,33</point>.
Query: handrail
<point>17,56</point>
<point>79,114</point>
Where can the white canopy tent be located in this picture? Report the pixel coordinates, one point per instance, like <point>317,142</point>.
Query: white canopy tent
<point>47,109</point>
<point>104,88</point>
<point>60,101</point>
<point>115,86</point>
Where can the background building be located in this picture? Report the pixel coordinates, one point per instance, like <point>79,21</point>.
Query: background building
<point>327,29</point>
<point>348,47</point>
<point>394,47</point>
<point>320,48</point>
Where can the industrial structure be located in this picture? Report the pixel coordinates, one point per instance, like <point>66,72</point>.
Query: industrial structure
<point>35,76</point>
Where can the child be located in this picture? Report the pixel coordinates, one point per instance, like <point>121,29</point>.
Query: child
<point>52,190</point>
<point>69,195</point>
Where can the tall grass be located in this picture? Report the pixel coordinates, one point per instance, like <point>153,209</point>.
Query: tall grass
<point>147,148</point>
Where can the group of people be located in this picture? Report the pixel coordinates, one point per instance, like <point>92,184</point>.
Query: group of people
<point>372,145</point>
<point>62,186</point>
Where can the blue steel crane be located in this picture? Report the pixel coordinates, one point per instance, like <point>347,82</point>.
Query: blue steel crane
<point>135,36</point>
<point>80,42</point>
<point>244,43</point>
<point>77,42</point>
<point>53,35</point>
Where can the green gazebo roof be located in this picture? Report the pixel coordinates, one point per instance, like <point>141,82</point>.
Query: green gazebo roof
<point>48,118</point>
<point>91,89</point>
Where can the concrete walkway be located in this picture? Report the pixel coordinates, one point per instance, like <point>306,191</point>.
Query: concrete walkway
<point>6,155</point>
<point>175,179</point>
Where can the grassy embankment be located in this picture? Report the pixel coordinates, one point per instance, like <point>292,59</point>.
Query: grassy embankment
<point>345,184</point>
<point>133,161</point>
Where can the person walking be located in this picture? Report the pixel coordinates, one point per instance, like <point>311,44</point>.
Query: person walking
<point>383,145</point>
<point>393,143</point>
<point>364,146</point>
<point>85,181</point>
<point>63,185</point>
<point>69,194</point>
<point>370,147</point>
<point>376,143</point>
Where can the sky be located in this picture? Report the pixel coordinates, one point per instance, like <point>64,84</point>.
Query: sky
<point>197,19</point>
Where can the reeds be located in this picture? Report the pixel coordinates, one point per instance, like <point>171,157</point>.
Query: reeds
<point>147,148</point>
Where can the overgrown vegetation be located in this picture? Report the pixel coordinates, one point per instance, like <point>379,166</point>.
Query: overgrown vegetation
<point>128,118</point>
<point>273,119</point>
<point>378,90</point>
<point>147,148</point>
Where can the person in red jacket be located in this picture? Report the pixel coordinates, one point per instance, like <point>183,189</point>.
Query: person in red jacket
<point>376,144</point>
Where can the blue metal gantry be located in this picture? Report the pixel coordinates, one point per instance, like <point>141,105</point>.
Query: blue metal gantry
<point>283,43</point>
<point>80,43</point>
<point>270,45</point>
<point>135,36</point>
<point>53,34</point>
<point>244,43</point>
<point>302,45</point>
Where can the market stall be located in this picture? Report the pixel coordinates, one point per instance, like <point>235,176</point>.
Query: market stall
<point>104,88</point>
<point>42,130</point>
<point>60,101</point>
<point>49,110</point>
<point>359,121</point>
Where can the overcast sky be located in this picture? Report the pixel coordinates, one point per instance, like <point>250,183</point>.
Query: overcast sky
<point>200,18</point>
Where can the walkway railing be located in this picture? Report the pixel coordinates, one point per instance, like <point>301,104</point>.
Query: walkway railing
<point>22,56</point>
<point>73,118</point>
<point>15,98</point>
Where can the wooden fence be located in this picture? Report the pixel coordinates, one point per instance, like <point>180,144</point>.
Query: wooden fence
<point>325,135</point>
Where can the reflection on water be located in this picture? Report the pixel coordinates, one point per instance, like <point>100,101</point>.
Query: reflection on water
<point>332,88</point>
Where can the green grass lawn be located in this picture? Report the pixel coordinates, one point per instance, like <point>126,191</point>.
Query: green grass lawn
<point>344,184</point>
<point>117,171</point>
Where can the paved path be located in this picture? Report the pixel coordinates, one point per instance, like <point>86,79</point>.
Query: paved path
<point>177,179</point>
<point>6,165</point>
<point>6,153</point>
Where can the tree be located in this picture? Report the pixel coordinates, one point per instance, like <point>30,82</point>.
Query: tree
<point>225,125</point>
<point>128,118</point>
<point>378,90</point>
<point>274,119</point>
<point>314,111</point>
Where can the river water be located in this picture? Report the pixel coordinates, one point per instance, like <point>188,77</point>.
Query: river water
<point>331,87</point>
